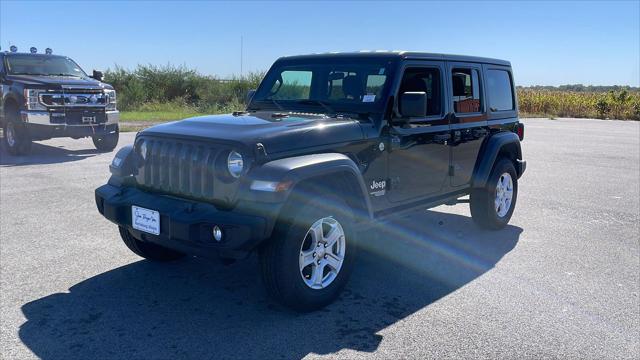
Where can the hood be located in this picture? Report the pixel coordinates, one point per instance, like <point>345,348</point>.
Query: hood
<point>59,82</point>
<point>275,132</point>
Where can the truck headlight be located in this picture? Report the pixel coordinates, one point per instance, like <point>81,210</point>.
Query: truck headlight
<point>32,99</point>
<point>235,164</point>
<point>111,100</point>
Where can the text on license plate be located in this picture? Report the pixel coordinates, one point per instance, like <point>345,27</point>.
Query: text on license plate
<point>145,220</point>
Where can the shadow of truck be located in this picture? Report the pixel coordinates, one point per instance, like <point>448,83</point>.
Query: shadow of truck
<point>198,309</point>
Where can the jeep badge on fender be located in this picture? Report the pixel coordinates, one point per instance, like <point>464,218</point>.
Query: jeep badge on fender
<point>302,173</point>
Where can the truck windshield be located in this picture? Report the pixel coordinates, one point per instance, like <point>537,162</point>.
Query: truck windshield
<point>43,65</point>
<point>341,86</point>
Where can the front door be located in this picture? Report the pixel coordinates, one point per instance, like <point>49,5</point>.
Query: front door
<point>419,154</point>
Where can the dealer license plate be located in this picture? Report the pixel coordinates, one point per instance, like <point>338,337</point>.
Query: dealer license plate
<point>145,220</point>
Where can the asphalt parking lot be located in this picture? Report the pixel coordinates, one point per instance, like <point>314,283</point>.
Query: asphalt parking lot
<point>561,281</point>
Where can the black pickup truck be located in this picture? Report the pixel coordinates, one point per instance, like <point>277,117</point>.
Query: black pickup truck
<point>328,145</point>
<point>43,96</point>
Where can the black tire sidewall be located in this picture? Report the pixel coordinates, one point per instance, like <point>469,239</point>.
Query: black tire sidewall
<point>294,292</point>
<point>107,142</point>
<point>20,133</point>
<point>503,166</point>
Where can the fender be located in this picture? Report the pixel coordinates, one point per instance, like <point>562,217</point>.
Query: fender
<point>295,170</point>
<point>489,153</point>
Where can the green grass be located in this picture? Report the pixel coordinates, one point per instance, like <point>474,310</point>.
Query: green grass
<point>138,120</point>
<point>156,116</point>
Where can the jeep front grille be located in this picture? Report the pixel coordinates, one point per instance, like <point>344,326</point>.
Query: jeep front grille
<point>177,167</point>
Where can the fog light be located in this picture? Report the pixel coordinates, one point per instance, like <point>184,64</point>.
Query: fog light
<point>217,233</point>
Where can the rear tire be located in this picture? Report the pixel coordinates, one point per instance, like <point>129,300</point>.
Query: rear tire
<point>16,139</point>
<point>492,206</point>
<point>107,142</point>
<point>305,265</point>
<point>148,250</point>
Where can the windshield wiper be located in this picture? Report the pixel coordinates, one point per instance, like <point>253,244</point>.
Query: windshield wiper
<point>64,75</point>
<point>319,102</point>
<point>335,113</point>
<point>27,73</point>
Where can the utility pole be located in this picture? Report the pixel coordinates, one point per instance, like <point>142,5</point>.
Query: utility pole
<point>241,49</point>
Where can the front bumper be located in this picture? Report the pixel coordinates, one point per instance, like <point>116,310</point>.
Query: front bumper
<point>186,225</point>
<point>41,126</point>
<point>44,118</point>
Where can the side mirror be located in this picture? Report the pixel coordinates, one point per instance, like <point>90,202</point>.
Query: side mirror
<point>97,74</point>
<point>250,94</point>
<point>413,104</point>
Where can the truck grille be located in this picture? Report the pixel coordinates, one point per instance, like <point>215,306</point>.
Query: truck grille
<point>177,167</point>
<point>84,98</point>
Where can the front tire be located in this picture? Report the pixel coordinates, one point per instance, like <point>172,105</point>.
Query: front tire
<point>148,250</point>
<point>492,206</point>
<point>16,139</point>
<point>107,142</point>
<point>308,260</point>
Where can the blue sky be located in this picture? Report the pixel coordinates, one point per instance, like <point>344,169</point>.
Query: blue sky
<point>548,43</point>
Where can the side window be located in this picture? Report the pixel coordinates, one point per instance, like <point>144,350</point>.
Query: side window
<point>466,90</point>
<point>499,90</point>
<point>292,85</point>
<point>427,80</point>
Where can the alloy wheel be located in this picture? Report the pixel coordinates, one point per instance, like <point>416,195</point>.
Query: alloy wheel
<point>504,194</point>
<point>322,253</point>
<point>11,134</point>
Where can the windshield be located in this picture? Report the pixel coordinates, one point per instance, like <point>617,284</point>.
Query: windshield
<point>329,86</point>
<point>43,65</point>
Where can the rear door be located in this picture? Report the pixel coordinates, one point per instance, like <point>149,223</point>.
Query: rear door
<point>468,119</point>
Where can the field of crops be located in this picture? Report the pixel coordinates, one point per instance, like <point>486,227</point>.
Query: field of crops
<point>620,104</point>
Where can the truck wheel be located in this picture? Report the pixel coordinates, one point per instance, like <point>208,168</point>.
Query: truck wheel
<point>492,207</point>
<point>107,142</point>
<point>148,250</point>
<point>309,258</point>
<point>16,138</point>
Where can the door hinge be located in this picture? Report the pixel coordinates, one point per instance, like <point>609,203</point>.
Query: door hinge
<point>451,170</point>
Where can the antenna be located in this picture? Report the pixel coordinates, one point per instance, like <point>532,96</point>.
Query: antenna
<point>241,49</point>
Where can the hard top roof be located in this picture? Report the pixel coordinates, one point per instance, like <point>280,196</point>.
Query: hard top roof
<point>409,55</point>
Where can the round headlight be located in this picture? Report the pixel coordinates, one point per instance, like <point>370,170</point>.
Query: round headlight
<point>235,164</point>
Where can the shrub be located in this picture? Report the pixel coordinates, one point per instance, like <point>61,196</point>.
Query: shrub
<point>150,86</point>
